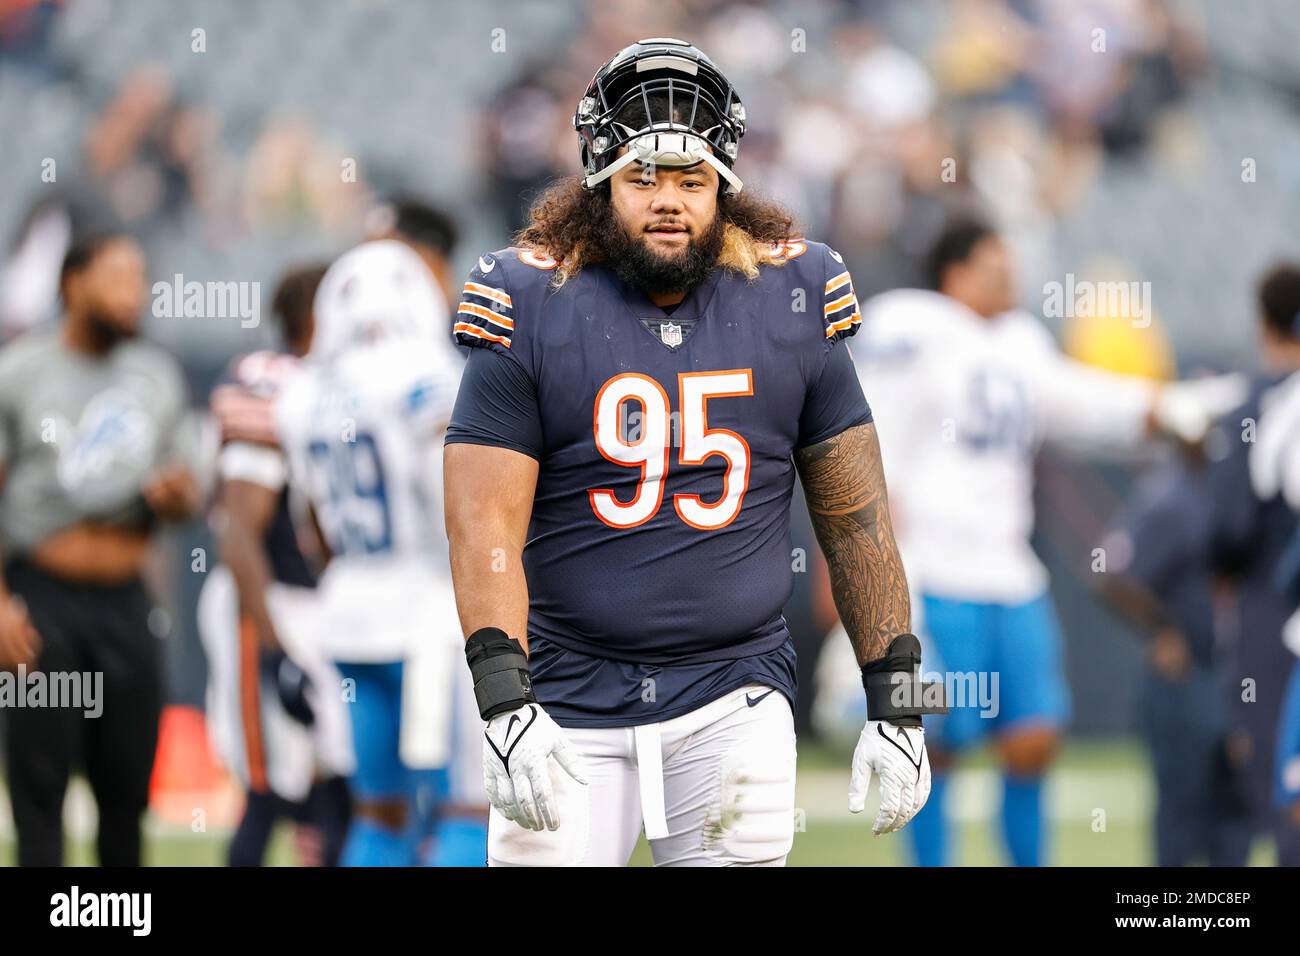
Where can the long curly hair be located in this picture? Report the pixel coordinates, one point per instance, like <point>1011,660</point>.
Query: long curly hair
<point>567,220</point>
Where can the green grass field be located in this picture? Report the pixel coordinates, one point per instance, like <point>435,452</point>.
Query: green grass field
<point>1099,798</point>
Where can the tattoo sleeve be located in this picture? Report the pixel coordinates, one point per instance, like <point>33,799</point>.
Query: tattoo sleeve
<point>844,483</point>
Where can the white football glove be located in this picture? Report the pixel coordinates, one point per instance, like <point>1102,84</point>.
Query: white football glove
<point>517,747</point>
<point>1187,409</point>
<point>897,755</point>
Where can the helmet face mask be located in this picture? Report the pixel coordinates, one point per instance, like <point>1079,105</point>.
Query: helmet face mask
<point>668,103</point>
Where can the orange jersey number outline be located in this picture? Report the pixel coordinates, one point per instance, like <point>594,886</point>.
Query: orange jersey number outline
<point>649,451</point>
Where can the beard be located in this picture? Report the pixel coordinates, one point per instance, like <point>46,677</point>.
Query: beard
<point>104,331</point>
<point>634,262</point>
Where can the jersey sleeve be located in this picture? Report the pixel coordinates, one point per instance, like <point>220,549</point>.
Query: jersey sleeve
<point>242,405</point>
<point>497,406</point>
<point>1234,510</point>
<point>1274,459</point>
<point>840,311</point>
<point>835,401</point>
<point>242,401</point>
<point>1083,404</point>
<point>485,315</point>
<point>893,355</point>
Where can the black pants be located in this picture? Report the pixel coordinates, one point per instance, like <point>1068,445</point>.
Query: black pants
<point>327,808</point>
<point>96,629</point>
<point>1202,810</point>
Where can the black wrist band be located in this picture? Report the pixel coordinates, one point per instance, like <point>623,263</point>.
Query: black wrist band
<point>500,670</point>
<point>895,692</point>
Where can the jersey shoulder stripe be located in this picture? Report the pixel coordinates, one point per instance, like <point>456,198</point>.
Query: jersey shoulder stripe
<point>840,310</point>
<point>501,285</point>
<point>485,316</point>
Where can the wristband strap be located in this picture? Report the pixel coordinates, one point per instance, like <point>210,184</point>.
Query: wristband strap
<point>499,668</point>
<point>895,692</point>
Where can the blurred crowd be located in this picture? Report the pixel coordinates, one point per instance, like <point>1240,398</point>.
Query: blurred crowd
<point>871,134</point>
<point>1001,107</point>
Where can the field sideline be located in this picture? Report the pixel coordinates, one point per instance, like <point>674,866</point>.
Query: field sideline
<point>1092,779</point>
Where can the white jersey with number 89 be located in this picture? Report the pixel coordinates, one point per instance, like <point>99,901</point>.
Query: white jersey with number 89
<point>362,426</point>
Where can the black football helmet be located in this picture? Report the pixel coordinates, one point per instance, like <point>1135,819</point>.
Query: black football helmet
<point>668,103</point>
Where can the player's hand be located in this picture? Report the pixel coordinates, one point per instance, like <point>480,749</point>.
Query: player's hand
<point>1170,655</point>
<point>1186,409</point>
<point>897,755</point>
<point>174,494</point>
<point>19,642</point>
<point>517,748</point>
<point>292,686</point>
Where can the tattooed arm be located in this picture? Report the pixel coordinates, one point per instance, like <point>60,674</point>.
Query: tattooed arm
<point>844,484</point>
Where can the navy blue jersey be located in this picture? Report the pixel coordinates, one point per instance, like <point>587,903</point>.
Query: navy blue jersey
<point>1162,541</point>
<point>660,529</point>
<point>1251,541</point>
<point>242,405</point>
<point>1249,536</point>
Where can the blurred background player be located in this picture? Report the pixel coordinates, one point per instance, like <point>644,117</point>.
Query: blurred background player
<point>1286,770</point>
<point>1158,574</point>
<point>95,453</point>
<point>275,718</point>
<point>966,387</point>
<point>458,819</point>
<point>1252,535</point>
<point>362,425</point>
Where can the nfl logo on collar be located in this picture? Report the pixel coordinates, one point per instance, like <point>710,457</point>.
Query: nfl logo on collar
<point>670,334</point>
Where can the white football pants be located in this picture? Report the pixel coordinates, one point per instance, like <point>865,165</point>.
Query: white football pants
<point>714,787</point>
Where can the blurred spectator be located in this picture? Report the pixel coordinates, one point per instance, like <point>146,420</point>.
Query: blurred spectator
<point>1250,537</point>
<point>145,152</point>
<point>296,179</point>
<point>981,52</point>
<point>76,513</point>
<point>1158,575</point>
<point>528,142</point>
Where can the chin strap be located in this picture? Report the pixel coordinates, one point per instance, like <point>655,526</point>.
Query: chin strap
<point>671,150</point>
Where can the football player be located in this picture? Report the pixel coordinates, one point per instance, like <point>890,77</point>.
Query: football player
<point>650,365</point>
<point>289,747</point>
<point>967,387</point>
<point>1255,488</point>
<point>1159,577</point>
<point>363,427</point>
